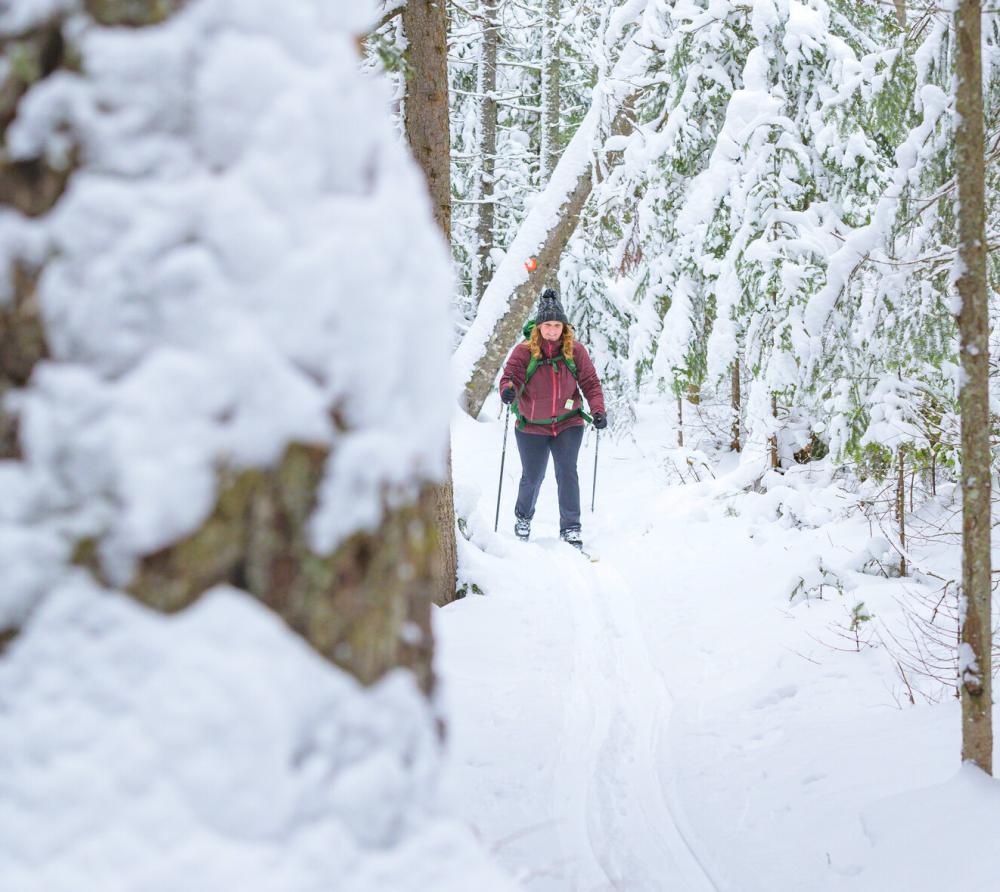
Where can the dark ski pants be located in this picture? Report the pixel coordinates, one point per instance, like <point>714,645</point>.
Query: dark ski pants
<point>535,449</point>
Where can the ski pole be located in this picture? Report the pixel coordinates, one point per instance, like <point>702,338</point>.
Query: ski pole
<point>593,489</point>
<point>503,456</point>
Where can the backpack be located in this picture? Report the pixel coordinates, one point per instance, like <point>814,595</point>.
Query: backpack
<point>533,365</point>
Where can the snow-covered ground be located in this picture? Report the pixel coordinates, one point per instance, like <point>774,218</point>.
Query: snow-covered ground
<point>212,750</point>
<point>676,716</point>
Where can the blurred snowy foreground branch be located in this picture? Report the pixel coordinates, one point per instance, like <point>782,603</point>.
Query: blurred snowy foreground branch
<point>193,210</point>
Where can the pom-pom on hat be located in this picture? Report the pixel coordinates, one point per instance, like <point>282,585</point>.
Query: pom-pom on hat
<point>549,308</point>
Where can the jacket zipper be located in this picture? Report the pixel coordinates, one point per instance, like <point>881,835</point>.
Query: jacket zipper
<point>555,388</point>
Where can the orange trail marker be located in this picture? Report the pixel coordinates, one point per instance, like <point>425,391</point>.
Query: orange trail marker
<point>531,265</point>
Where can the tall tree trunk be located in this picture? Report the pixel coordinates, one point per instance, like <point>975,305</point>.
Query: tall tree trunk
<point>426,109</point>
<point>550,90</point>
<point>737,404</point>
<point>901,505</point>
<point>486,87</point>
<point>901,13</point>
<point>975,669</point>
<point>773,439</point>
<point>680,421</point>
<point>428,131</point>
<point>445,567</point>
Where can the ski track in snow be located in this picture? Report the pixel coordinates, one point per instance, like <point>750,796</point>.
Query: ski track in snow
<point>568,652</point>
<point>617,708</point>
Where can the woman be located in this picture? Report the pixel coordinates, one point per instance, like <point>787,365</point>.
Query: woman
<point>545,374</point>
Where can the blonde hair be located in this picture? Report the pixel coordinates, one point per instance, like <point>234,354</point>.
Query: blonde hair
<point>535,342</point>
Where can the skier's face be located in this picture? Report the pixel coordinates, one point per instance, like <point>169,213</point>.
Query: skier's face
<point>551,331</point>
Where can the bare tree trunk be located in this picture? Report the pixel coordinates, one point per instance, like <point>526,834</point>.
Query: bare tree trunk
<point>901,505</point>
<point>737,403</point>
<point>975,669</point>
<point>550,90</point>
<point>773,439</point>
<point>680,421</point>
<point>901,13</point>
<point>427,129</point>
<point>445,566</point>
<point>486,87</point>
<point>426,110</point>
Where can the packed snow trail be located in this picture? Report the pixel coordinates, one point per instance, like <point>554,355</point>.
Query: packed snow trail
<point>600,816</point>
<point>610,780</point>
<point>568,662</point>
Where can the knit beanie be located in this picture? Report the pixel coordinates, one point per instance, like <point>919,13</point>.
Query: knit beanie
<point>549,308</point>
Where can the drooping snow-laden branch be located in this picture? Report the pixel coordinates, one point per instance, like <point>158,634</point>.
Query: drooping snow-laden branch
<point>859,242</point>
<point>544,234</point>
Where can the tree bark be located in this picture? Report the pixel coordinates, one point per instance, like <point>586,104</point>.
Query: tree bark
<point>901,505</point>
<point>550,90</point>
<point>427,129</point>
<point>353,606</point>
<point>445,566</point>
<point>773,439</point>
<point>32,187</point>
<point>132,13</point>
<point>737,403</point>
<point>22,346</point>
<point>426,107</point>
<point>486,87</point>
<point>680,422</point>
<point>901,13</point>
<point>975,669</point>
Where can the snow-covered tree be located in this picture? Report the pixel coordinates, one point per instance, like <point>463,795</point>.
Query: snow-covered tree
<point>783,203</point>
<point>200,420</point>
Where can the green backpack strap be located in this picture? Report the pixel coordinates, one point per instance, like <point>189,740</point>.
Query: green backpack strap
<point>533,365</point>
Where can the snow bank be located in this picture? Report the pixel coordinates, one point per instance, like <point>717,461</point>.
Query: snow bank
<point>926,839</point>
<point>212,750</point>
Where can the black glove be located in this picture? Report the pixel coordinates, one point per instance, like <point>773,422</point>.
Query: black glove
<point>508,394</point>
<point>600,420</point>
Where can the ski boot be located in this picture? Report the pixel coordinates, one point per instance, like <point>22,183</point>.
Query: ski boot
<point>522,528</point>
<point>573,537</point>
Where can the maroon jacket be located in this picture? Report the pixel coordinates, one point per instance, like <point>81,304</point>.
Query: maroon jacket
<point>552,386</point>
